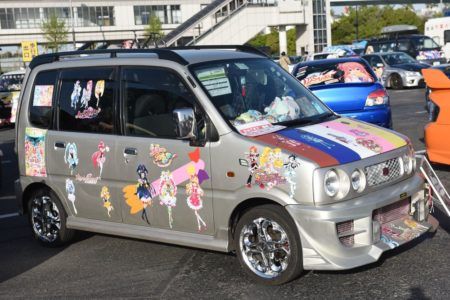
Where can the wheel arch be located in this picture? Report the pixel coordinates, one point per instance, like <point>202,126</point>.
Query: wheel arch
<point>30,189</point>
<point>240,209</point>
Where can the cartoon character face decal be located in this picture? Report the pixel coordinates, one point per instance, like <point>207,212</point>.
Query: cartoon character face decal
<point>168,193</point>
<point>354,72</point>
<point>75,96</point>
<point>290,172</point>
<point>195,192</point>
<point>266,172</point>
<point>99,157</point>
<point>144,191</point>
<point>70,189</point>
<point>161,157</point>
<point>71,156</point>
<point>106,196</point>
<point>99,90</point>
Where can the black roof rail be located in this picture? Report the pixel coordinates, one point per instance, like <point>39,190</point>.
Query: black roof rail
<point>163,53</point>
<point>242,48</point>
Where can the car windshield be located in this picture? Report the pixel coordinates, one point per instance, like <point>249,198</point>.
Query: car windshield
<point>10,83</point>
<point>331,73</point>
<point>258,90</point>
<point>398,58</point>
<point>424,43</point>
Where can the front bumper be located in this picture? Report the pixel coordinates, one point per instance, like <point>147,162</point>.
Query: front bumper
<point>413,81</point>
<point>381,116</point>
<point>321,247</point>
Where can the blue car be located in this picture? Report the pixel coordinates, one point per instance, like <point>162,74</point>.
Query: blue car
<point>349,87</point>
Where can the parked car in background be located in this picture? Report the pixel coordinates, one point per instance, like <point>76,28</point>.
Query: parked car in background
<point>349,87</point>
<point>436,132</point>
<point>321,55</point>
<point>10,86</point>
<point>397,69</point>
<point>444,68</point>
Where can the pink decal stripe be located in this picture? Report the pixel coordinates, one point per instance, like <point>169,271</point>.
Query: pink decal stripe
<point>385,144</point>
<point>180,175</point>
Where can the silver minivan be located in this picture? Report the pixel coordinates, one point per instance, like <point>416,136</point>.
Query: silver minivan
<point>211,147</point>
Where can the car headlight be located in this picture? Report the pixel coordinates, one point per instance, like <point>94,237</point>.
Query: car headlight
<point>407,164</point>
<point>331,183</point>
<point>358,180</point>
<point>410,73</point>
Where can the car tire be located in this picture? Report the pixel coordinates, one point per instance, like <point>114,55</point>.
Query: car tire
<point>48,218</point>
<point>395,81</point>
<point>255,245</point>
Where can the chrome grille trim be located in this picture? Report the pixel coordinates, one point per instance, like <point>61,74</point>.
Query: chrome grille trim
<point>374,173</point>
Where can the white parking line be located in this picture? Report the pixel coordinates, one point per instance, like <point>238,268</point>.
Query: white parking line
<point>5,216</point>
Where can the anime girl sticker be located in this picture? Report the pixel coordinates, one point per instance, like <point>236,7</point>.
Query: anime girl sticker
<point>35,152</point>
<point>167,193</point>
<point>290,172</point>
<point>268,176</point>
<point>99,157</point>
<point>106,196</point>
<point>70,189</point>
<point>87,93</point>
<point>71,156</point>
<point>99,90</point>
<point>144,191</point>
<point>75,96</point>
<point>369,144</point>
<point>161,157</point>
<point>252,157</point>
<point>194,193</point>
<point>354,72</point>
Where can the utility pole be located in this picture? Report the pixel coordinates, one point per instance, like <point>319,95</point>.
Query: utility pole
<point>357,23</point>
<point>72,20</point>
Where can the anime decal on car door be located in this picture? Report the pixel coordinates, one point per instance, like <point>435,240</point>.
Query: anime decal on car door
<point>139,197</point>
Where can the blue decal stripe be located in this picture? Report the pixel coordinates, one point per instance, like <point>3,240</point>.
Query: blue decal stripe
<point>339,152</point>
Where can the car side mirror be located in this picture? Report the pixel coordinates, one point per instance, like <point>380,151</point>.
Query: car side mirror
<point>186,125</point>
<point>380,65</point>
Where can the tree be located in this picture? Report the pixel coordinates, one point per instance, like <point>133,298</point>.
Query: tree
<point>154,28</point>
<point>371,19</point>
<point>55,32</point>
<point>271,40</point>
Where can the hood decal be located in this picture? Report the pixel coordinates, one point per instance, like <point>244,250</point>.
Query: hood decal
<point>335,142</point>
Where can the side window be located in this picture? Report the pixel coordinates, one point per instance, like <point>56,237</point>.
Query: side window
<point>150,96</point>
<point>375,60</point>
<point>86,100</point>
<point>404,45</point>
<point>41,101</point>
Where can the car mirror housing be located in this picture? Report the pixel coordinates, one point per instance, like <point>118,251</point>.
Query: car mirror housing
<point>186,125</point>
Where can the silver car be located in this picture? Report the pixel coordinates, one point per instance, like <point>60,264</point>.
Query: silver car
<point>213,148</point>
<point>397,70</point>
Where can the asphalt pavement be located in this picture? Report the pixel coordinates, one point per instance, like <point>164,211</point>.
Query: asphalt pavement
<point>101,266</point>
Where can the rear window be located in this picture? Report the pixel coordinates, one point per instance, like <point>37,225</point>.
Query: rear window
<point>41,111</point>
<point>332,73</point>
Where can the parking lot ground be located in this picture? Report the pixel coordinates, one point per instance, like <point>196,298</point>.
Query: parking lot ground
<point>101,266</point>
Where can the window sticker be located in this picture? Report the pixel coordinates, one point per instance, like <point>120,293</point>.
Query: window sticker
<point>319,77</point>
<point>106,196</point>
<point>35,152</point>
<point>43,95</point>
<point>15,103</point>
<point>258,128</point>
<point>354,72</point>
<point>81,104</point>
<point>215,81</point>
<point>70,189</point>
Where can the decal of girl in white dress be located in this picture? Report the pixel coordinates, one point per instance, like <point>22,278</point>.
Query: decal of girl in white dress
<point>167,193</point>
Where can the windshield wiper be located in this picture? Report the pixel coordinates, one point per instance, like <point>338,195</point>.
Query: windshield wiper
<point>307,121</point>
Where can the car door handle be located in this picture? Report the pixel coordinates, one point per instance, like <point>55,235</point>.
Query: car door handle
<point>60,145</point>
<point>130,151</point>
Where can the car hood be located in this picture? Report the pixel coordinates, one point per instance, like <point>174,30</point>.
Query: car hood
<point>415,67</point>
<point>335,142</point>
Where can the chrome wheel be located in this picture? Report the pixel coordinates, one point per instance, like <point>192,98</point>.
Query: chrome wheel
<point>45,218</point>
<point>265,247</point>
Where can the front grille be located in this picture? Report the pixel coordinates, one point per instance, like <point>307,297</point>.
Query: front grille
<point>384,172</point>
<point>345,231</point>
<point>391,212</point>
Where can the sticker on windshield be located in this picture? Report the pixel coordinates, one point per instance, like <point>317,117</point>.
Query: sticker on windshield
<point>258,128</point>
<point>215,81</point>
<point>43,95</point>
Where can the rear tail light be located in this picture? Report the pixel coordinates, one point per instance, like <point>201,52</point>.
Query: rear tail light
<point>378,97</point>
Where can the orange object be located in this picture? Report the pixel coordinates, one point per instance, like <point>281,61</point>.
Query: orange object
<point>437,132</point>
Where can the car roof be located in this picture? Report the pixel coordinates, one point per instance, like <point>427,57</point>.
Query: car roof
<point>385,53</point>
<point>331,61</point>
<point>201,55</point>
<point>16,72</point>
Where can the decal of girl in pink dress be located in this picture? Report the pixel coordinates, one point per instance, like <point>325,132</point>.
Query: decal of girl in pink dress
<point>99,158</point>
<point>167,193</point>
<point>194,200</point>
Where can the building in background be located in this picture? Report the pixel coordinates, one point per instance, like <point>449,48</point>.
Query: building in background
<point>119,20</point>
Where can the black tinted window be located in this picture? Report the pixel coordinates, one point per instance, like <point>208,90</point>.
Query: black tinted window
<point>86,100</point>
<point>41,100</point>
<point>150,96</point>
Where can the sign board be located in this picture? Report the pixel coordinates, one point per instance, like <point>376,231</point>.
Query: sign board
<point>436,185</point>
<point>29,50</point>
